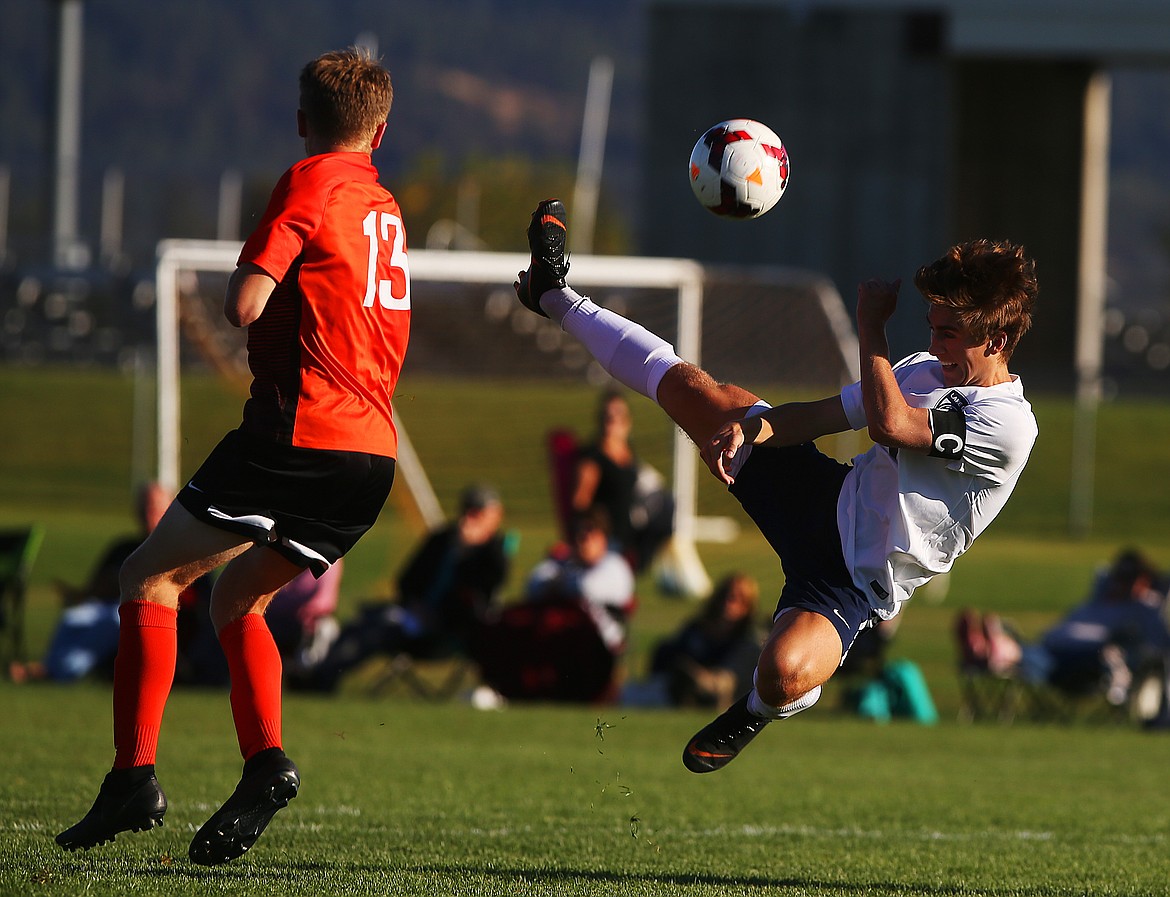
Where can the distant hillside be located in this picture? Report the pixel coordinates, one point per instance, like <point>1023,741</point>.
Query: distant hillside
<point>175,93</point>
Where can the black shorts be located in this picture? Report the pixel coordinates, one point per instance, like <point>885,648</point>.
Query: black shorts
<point>791,495</point>
<point>310,505</point>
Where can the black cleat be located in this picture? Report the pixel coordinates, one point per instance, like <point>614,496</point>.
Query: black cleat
<point>546,242</point>
<point>130,800</point>
<point>268,784</point>
<point>720,741</point>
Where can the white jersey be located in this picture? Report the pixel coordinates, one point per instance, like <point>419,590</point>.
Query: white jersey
<point>906,516</point>
<point>606,589</point>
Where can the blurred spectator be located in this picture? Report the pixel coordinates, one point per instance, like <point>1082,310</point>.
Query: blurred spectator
<point>562,643</point>
<point>85,639</point>
<point>609,475</point>
<point>445,590</point>
<point>1118,632</point>
<point>300,618</point>
<point>588,571</point>
<point>710,661</point>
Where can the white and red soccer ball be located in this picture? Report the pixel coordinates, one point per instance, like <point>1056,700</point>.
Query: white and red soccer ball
<point>739,169</point>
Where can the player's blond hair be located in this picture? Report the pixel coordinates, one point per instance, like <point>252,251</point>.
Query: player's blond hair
<point>989,284</point>
<point>345,95</point>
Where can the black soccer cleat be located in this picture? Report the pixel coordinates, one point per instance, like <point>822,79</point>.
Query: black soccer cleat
<point>130,800</point>
<point>266,787</point>
<point>546,242</point>
<point>720,741</point>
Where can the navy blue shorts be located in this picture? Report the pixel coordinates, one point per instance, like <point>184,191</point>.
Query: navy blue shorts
<point>310,505</point>
<point>791,494</point>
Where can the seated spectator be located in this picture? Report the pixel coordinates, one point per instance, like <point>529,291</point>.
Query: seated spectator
<point>609,475</point>
<point>1118,630</point>
<point>710,661</point>
<point>85,639</point>
<point>300,617</point>
<point>563,641</point>
<point>590,572</point>
<point>445,590</point>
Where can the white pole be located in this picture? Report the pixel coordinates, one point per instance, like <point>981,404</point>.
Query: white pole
<point>1091,279</point>
<point>68,252</point>
<point>689,571</point>
<point>690,312</point>
<point>167,359</point>
<point>410,466</point>
<point>592,155</point>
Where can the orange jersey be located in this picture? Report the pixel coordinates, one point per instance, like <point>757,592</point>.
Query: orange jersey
<point>326,352</point>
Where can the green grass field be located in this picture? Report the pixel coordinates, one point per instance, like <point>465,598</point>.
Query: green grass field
<point>402,797</point>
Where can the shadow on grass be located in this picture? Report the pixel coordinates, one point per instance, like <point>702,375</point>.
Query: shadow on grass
<point>298,875</point>
<point>806,885</point>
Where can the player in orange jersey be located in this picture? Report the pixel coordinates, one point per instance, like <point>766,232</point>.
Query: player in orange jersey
<point>323,287</point>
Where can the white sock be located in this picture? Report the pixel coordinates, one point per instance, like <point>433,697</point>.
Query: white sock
<point>757,707</point>
<point>627,351</point>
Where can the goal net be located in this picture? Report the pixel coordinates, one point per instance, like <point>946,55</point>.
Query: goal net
<point>762,327</point>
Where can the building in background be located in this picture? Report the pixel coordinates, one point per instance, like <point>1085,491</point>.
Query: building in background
<point>909,126</point>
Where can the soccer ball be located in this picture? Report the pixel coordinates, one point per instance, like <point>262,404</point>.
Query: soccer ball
<point>739,169</point>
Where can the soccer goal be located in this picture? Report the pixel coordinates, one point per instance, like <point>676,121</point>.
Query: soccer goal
<point>467,325</point>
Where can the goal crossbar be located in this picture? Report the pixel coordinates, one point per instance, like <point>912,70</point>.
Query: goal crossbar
<point>681,275</point>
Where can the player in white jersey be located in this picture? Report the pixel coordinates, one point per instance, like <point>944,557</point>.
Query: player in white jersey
<point>951,428</point>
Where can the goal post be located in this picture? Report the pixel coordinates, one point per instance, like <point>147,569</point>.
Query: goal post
<point>684,276</point>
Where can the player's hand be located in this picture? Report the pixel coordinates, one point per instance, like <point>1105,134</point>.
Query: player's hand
<point>718,451</point>
<point>876,301</point>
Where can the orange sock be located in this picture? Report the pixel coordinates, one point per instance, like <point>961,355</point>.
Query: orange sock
<point>254,664</point>
<point>143,673</point>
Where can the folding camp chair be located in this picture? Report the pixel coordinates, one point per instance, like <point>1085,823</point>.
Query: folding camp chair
<point>18,550</point>
<point>433,678</point>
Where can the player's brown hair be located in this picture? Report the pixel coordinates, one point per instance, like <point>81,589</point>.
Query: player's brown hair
<point>989,284</point>
<point>345,95</point>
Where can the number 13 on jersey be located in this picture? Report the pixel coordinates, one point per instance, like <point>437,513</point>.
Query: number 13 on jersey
<point>385,233</point>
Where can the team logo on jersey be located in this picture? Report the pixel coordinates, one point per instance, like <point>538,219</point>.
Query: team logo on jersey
<point>948,424</point>
<point>952,401</point>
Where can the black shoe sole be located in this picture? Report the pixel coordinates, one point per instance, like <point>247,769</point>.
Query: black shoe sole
<point>231,832</point>
<point>152,822</point>
<point>548,275</point>
<point>726,736</point>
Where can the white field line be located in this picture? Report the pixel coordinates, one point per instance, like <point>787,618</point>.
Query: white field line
<point>312,818</point>
<point>764,831</point>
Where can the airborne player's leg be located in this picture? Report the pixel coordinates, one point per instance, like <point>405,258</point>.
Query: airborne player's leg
<point>629,352</point>
<point>801,640</point>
